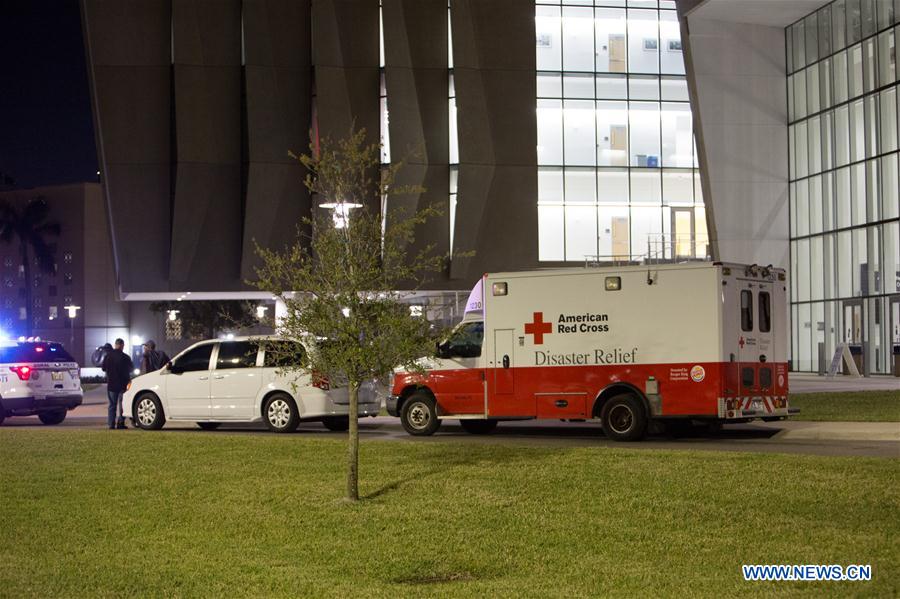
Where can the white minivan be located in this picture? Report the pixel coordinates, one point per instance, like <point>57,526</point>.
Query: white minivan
<point>238,380</point>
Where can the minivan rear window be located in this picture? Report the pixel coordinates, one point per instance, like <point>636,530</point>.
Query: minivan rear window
<point>34,352</point>
<point>284,354</point>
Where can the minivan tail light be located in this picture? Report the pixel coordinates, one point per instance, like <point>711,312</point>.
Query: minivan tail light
<point>320,381</point>
<point>23,372</point>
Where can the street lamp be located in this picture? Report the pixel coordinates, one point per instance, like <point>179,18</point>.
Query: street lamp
<point>340,212</point>
<point>261,312</point>
<point>73,312</point>
<point>173,314</point>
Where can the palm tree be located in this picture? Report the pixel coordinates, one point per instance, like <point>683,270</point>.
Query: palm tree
<point>31,227</point>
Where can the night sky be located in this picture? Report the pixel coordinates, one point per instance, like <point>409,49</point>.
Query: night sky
<point>46,128</point>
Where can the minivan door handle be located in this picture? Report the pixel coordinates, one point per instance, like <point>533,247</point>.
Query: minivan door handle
<point>506,361</point>
<point>203,378</point>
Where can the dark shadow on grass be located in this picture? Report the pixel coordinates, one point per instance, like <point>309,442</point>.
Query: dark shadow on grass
<point>443,462</point>
<point>395,485</point>
<point>436,578</point>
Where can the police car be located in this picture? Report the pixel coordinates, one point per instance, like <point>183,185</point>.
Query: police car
<point>38,377</point>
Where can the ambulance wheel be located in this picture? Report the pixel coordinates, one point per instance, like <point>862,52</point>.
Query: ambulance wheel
<point>624,419</point>
<point>419,415</point>
<point>478,427</point>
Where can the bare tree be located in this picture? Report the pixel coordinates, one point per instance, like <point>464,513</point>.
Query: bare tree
<point>339,278</point>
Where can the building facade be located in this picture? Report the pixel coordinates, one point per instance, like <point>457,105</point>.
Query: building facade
<point>82,274</point>
<point>844,206</point>
<point>552,132</point>
<point>617,166</point>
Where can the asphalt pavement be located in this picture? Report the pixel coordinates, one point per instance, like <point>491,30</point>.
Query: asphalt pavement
<point>877,439</point>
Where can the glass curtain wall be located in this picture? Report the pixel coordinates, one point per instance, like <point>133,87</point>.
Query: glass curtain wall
<point>843,145</point>
<point>454,137</point>
<point>617,166</point>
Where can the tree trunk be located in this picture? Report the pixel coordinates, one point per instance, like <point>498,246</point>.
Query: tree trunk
<point>29,308</point>
<point>353,445</point>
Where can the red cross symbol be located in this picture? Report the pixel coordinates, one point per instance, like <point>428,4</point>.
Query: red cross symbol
<point>741,342</point>
<point>538,328</point>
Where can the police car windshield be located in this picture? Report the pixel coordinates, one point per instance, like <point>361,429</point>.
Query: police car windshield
<point>34,352</point>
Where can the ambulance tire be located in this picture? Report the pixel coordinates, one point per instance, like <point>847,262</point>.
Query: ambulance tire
<point>478,427</point>
<point>419,415</point>
<point>624,418</point>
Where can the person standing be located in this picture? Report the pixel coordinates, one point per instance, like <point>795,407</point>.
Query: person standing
<point>152,360</point>
<point>117,366</point>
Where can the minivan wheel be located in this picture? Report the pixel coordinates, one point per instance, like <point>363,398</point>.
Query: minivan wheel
<point>624,419</point>
<point>337,423</point>
<point>280,413</point>
<point>419,415</point>
<point>54,417</point>
<point>148,412</point>
<point>478,427</point>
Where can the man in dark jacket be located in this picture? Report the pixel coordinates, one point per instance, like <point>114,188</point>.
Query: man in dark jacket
<point>117,366</point>
<point>152,359</point>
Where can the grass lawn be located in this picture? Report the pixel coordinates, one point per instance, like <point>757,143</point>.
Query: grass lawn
<point>852,406</point>
<point>105,513</point>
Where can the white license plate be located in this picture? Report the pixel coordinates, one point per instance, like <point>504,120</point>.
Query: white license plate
<point>56,375</point>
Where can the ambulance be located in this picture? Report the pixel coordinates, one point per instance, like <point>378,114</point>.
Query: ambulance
<point>629,346</point>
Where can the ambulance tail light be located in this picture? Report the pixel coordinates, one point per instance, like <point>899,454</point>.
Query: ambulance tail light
<point>23,372</point>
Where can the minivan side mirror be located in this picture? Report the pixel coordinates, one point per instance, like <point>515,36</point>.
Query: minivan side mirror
<point>174,369</point>
<point>442,350</point>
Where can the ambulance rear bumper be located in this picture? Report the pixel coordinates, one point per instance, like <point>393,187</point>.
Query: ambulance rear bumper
<point>741,408</point>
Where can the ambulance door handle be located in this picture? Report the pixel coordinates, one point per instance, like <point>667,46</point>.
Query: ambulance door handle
<point>506,361</point>
<point>561,403</point>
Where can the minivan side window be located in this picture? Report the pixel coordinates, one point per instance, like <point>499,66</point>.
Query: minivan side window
<point>765,312</point>
<point>194,360</point>
<point>746,310</point>
<point>284,354</point>
<point>465,342</point>
<point>236,354</point>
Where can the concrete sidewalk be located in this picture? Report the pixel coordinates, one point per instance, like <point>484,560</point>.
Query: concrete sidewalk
<point>804,382</point>
<point>796,430</point>
<point>96,396</point>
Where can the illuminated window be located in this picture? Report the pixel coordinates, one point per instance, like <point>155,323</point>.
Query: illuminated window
<point>615,144</point>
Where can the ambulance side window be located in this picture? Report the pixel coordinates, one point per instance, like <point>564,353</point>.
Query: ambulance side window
<point>746,310</point>
<point>465,342</point>
<point>765,312</point>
